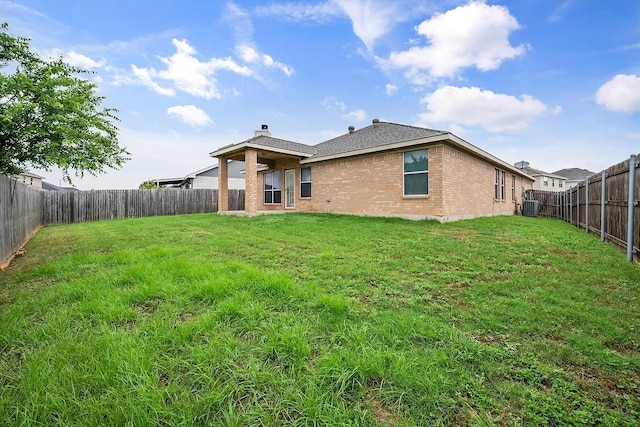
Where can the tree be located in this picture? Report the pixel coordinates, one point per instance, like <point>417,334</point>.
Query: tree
<point>147,185</point>
<point>50,115</point>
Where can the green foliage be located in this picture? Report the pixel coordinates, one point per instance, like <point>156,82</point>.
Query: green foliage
<point>50,115</point>
<point>147,185</point>
<point>319,320</point>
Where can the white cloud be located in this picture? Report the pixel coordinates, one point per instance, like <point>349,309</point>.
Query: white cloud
<point>189,114</point>
<point>470,106</point>
<point>621,94</point>
<point>186,72</point>
<point>82,61</point>
<point>250,55</point>
<point>390,89</point>
<point>144,76</point>
<point>474,35</point>
<point>560,10</point>
<point>357,115</point>
<point>331,103</point>
<point>370,19</point>
<point>321,12</point>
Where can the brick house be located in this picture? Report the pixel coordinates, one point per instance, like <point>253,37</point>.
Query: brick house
<point>385,169</point>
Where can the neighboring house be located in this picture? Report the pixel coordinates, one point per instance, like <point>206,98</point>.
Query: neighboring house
<point>207,178</point>
<point>544,180</point>
<point>30,178</point>
<point>385,169</point>
<point>574,175</point>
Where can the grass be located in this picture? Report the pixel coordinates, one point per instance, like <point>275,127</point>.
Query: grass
<point>319,320</point>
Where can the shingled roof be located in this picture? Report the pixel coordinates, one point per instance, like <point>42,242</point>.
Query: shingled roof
<point>269,142</point>
<point>575,174</point>
<point>376,135</point>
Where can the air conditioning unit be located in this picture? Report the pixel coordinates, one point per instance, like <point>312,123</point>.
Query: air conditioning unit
<point>530,208</point>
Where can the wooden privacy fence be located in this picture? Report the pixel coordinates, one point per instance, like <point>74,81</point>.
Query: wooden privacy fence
<point>20,215</point>
<point>23,208</point>
<point>64,207</point>
<point>605,204</point>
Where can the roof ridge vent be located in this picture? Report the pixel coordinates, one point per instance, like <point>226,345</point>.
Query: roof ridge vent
<point>375,122</point>
<point>352,129</point>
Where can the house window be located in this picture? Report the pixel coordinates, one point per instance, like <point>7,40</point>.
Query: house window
<point>513,187</point>
<point>560,184</point>
<point>305,182</point>
<point>502,186</point>
<point>416,173</point>
<point>273,188</point>
<point>545,181</point>
<point>497,185</point>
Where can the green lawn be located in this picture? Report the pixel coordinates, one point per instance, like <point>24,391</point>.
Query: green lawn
<point>319,320</point>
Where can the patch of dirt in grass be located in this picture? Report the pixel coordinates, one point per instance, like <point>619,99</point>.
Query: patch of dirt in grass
<point>552,268</point>
<point>460,235</point>
<point>563,253</point>
<point>450,297</point>
<point>185,316</point>
<point>363,299</point>
<point>489,340</point>
<point>381,412</point>
<point>622,350</point>
<point>613,393</point>
<point>149,306</point>
<point>11,357</point>
<point>163,380</point>
<point>128,324</point>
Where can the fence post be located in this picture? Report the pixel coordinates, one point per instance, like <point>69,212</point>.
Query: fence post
<point>578,205</point>
<point>632,182</point>
<point>586,206</point>
<point>603,201</point>
<point>570,206</point>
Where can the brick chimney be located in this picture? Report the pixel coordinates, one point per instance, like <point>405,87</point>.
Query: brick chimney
<point>264,131</point>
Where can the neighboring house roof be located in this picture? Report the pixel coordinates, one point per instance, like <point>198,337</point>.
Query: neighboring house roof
<point>575,174</point>
<point>235,170</point>
<point>51,187</point>
<point>378,136</point>
<point>536,172</point>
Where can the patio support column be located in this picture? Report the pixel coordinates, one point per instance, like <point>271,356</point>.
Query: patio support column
<point>251,181</point>
<point>223,184</point>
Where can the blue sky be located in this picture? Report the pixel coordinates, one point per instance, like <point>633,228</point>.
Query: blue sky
<point>555,83</point>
